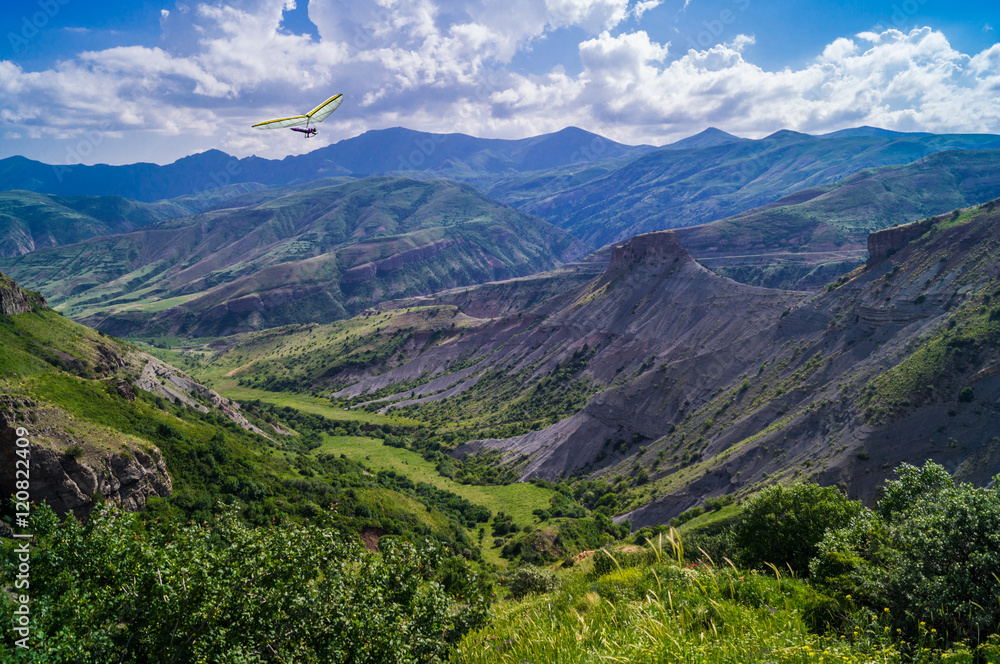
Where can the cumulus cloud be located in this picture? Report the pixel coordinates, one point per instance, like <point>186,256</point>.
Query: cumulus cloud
<point>906,81</point>
<point>446,65</point>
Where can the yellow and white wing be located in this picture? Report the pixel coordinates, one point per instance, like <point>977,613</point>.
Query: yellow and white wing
<point>320,113</point>
<point>294,121</point>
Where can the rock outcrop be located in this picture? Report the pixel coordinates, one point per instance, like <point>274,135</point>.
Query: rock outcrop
<point>163,380</point>
<point>882,244</point>
<point>650,249</point>
<point>13,299</point>
<point>70,480</point>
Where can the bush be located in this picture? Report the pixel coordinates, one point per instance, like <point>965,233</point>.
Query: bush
<point>116,590</point>
<point>529,579</point>
<point>606,561</point>
<point>783,525</point>
<point>928,558</point>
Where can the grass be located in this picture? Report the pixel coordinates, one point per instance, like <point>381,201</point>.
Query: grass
<point>936,365</point>
<point>518,500</point>
<point>153,305</point>
<point>671,612</point>
<point>307,404</point>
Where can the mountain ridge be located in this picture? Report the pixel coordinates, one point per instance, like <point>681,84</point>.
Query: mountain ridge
<point>737,385</point>
<point>373,152</point>
<point>310,255</point>
<point>671,188</point>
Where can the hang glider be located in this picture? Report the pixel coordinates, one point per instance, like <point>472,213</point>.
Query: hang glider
<point>301,123</point>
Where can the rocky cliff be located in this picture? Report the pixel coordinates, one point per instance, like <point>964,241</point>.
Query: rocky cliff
<point>71,476</point>
<point>14,299</point>
<point>713,387</point>
<point>650,250</point>
<point>884,243</point>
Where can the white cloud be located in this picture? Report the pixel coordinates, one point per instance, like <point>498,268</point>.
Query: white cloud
<point>443,65</point>
<point>641,8</point>
<point>838,50</point>
<point>907,81</point>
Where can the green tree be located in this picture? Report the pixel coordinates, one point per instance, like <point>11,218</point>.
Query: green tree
<point>114,591</point>
<point>928,558</point>
<point>782,525</point>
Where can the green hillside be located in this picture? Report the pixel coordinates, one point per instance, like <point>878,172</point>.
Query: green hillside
<point>152,439</point>
<point>813,236</point>
<point>312,255</point>
<point>30,221</point>
<point>676,188</point>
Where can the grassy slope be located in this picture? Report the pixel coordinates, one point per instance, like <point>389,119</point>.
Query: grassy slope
<point>830,224</point>
<point>296,252</point>
<point>57,380</point>
<point>670,612</point>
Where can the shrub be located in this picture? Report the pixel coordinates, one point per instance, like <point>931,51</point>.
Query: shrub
<point>928,558</point>
<point>783,525</point>
<point>606,561</point>
<point>113,590</point>
<point>529,579</point>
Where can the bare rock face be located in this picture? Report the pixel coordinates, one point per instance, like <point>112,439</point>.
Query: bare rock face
<point>13,299</point>
<point>650,249</point>
<point>163,380</point>
<point>884,243</point>
<point>72,483</point>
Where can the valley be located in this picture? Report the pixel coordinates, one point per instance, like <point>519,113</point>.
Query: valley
<point>561,362</point>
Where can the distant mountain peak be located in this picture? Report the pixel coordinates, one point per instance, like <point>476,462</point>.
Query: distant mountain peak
<point>788,134</point>
<point>715,131</point>
<point>706,138</point>
<point>866,131</point>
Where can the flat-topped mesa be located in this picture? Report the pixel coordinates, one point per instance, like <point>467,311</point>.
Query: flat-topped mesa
<point>13,299</point>
<point>884,243</point>
<point>648,249</point>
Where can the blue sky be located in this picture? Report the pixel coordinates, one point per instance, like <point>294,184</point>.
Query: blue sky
<point>120,82</point>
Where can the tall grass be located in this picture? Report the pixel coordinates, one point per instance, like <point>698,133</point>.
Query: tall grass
<point>670,611</point>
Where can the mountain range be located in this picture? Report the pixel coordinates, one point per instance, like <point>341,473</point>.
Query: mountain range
<point>657,368</point>
<point>675,188</point>
<point>599,190</point>
<point>475,305</point>
<point>375,152</point>
<point>315,254</point>
<point>814,235</point>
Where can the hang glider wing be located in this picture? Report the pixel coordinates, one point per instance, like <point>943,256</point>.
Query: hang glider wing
<point>295,121</point>
<point>318,114</point>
